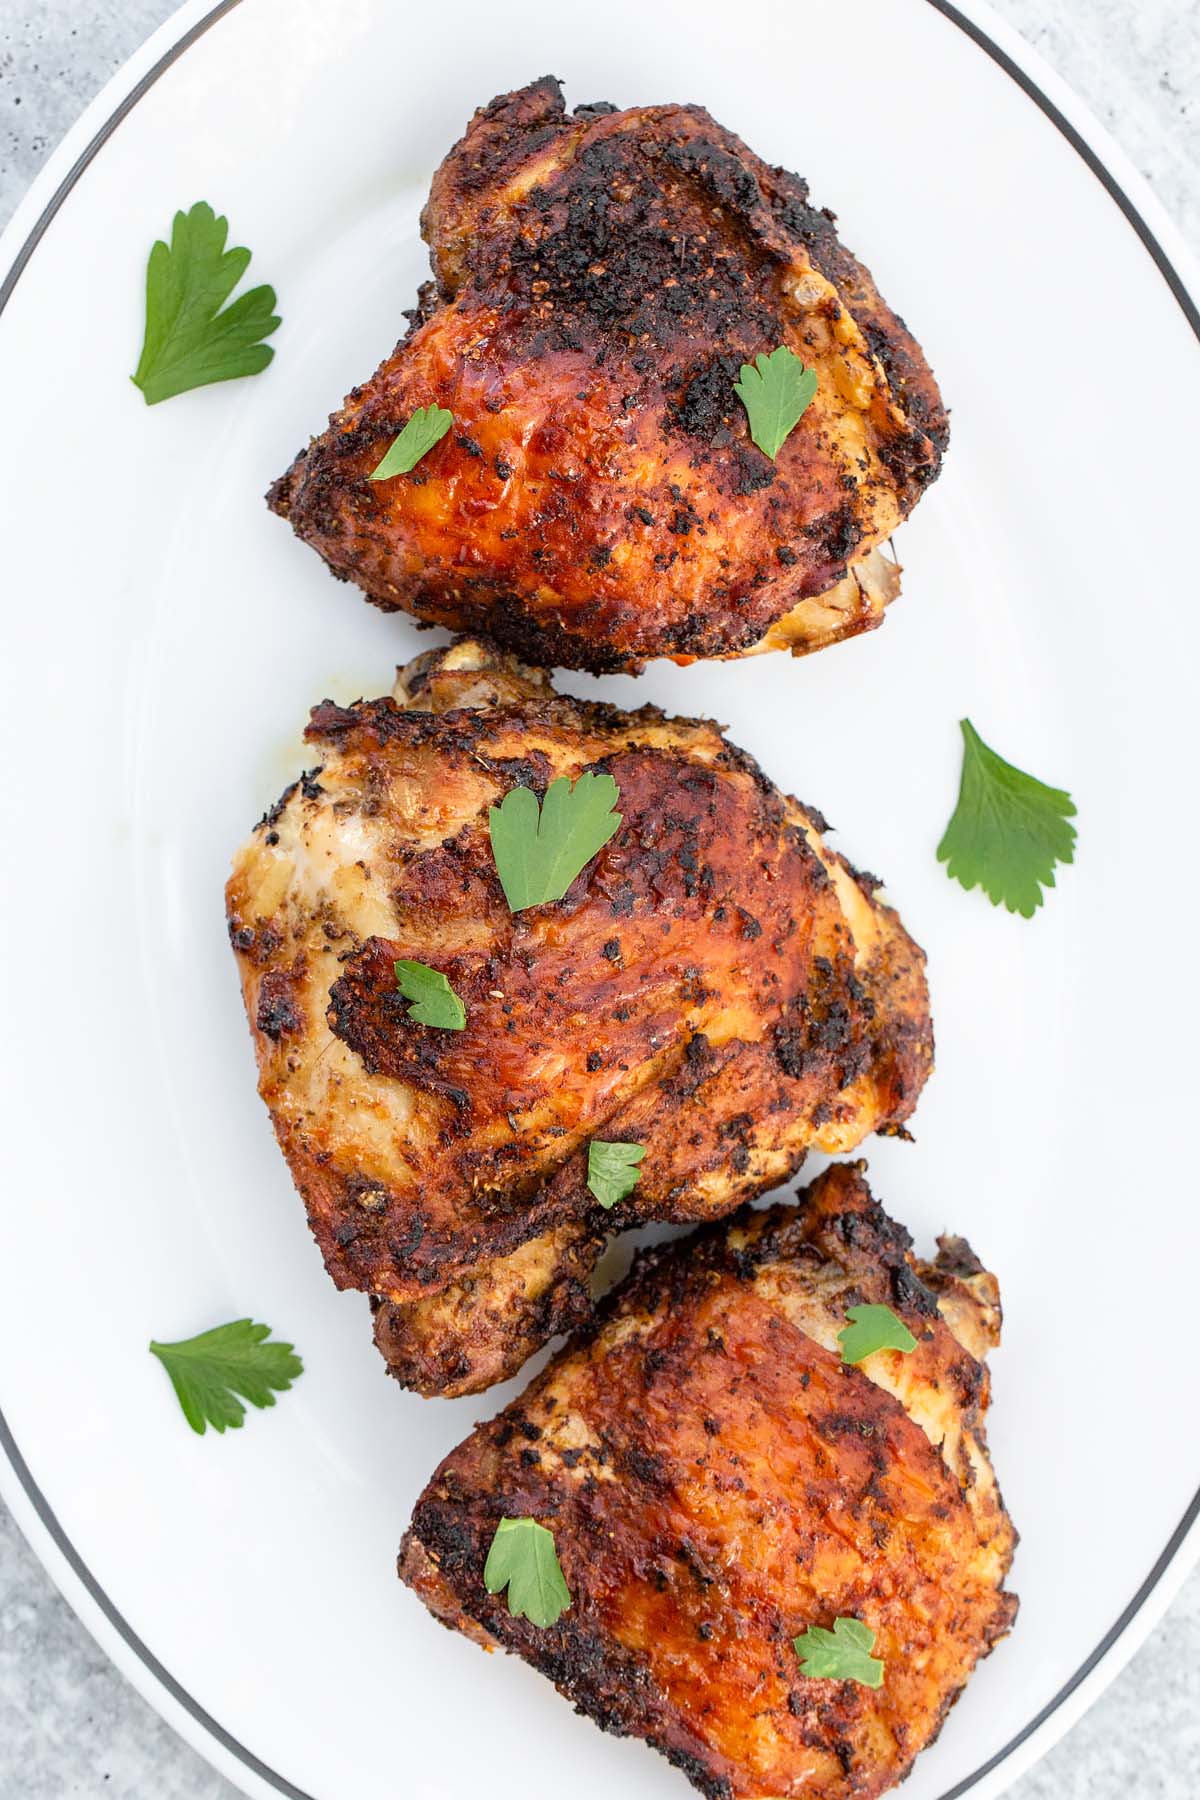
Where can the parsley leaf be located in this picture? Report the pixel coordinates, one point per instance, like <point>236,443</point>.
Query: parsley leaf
<point>1007,831</point>
<point>189,341</point>
<point>873,1328</point>
<point>775,390</point>
<point>208,1372</point>
<point>435,1001</point>
<point>843,1654</point>
<point>540,850</point>
<point>427,427</point>
<point>612,1170</point>
<point>523,1559</point>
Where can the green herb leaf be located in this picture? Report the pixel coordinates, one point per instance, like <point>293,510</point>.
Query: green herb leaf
<point>427,427</point>
<point>612,1170</point>
<point>1007,831</point>
<point>208,1372</point>
<point>873,1328</point>
<point>843,1654</point>
<point>775,390</point>
<point>434,1000</point>
<point>523,1559</point>
<point>189,341</point>
<point>540,850</point>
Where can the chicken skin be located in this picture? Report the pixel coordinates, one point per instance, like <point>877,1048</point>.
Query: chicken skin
<point>599,279</point>
<point>718,1481</point>
<point>716,985</point>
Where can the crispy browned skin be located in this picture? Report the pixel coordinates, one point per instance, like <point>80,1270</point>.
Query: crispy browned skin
<point>482,1327</point>
<point>599,279</point>
<point>717,1481</point>
<point>716,985</point>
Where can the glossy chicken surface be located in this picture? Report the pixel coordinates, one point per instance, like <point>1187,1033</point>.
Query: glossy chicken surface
<point>599,278</point>
<point>718,1481</point>
<point>481,1327</point>
<point>716,985</point>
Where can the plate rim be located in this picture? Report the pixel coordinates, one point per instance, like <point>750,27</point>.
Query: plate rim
<point>29,1506</point>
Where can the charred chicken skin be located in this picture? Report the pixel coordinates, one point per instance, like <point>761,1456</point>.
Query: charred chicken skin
<point>716,985</point>
<point>718,1481</point>
<point>599,278</point>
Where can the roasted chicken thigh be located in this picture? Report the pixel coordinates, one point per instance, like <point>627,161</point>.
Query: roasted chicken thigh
<point>718,1482</point>
<point>599,279</point>
<point>716,985</point>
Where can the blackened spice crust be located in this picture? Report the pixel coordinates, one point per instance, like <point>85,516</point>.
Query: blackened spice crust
<point>717,1479</point>
<point>600,500</point>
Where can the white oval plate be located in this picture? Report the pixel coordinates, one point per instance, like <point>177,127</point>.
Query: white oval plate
<point>164,638</point>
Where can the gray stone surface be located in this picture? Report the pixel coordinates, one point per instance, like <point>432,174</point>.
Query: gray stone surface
<point>69,1724</point>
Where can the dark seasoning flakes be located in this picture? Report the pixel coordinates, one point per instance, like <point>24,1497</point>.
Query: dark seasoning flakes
<point>636,274</point>
<point>651,256</point>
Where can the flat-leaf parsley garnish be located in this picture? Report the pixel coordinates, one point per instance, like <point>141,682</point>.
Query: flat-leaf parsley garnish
<point>434,1000</point>
<point>539,850</point>
<point>209,1371</point>
<point>189,341</point>
<point>613,1170</point>
<point>523,1559</point>
<point>427,427</point>
<point>775,390</point>
<point>1007,831</point>
<point>873,1328</point>
<point>843,1654</point>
